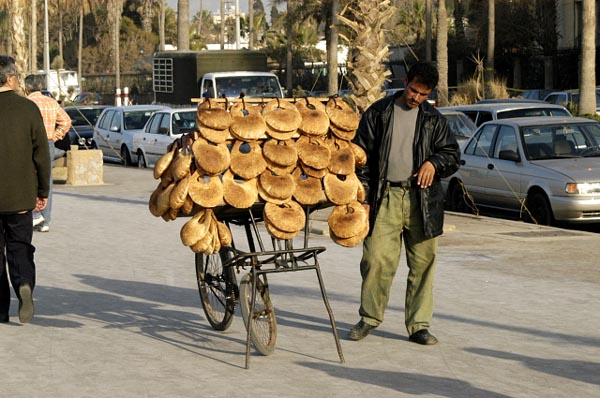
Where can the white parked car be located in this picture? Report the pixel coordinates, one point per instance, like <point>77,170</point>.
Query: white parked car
<point>545,169</point>
<point>163,127</point>
<point>481,113</point>
<point>115,128</point>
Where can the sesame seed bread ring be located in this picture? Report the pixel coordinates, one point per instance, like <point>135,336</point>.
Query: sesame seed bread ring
<point>247,160</point>
<point>341,114</point>
<point>277,186</point>
<point>282,153</point>
<point>341,189</point>
<point>212,158</point>
<point>309,189</point>
<point>239,194</point>
<point>346,221</point>
<point>286,217</point>
<point>313,152</point>
<point>206,191</point>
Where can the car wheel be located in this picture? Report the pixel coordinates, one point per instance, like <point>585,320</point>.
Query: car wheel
<point>538,210</point>
<point>456,198</point>
<point>141,160</point>
<point>125,156</point>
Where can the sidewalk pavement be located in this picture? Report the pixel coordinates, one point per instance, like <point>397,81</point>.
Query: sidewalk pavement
<point>118,314</point>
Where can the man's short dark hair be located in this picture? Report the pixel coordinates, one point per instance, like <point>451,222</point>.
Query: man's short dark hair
<point>7,68</point>
<point>424,73</point>
<point>34,83</point>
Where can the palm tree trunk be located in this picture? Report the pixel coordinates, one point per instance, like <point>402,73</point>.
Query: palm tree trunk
<point>33,38</point>
<point>587,75</point>
<point>222,24</point>
<point>60,38</point>
<point>442,53</point>
<point>367,70</point>
<point>332,47</point>
<point>161,26</point>
<point>289,67</point>
<point>251,33</point>
<point>18,38</point>
<point>428,7</point>
<point>147,15</point>
<point>489,62</point>
<point>80,48</point>
<point>183,25</point>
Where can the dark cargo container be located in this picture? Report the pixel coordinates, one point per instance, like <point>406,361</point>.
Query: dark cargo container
<point>177,74</point>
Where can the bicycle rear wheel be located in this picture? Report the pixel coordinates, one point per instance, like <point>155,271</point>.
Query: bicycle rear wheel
<point>263,325</point>
<point>217,287</point>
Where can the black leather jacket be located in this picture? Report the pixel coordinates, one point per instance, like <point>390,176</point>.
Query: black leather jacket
<point>433,141</point>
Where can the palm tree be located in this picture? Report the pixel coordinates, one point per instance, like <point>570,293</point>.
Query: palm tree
<point>183,25</point>
<point>587,74</point>
<point>331,34</point>
<point>33,37</point>
<point>428,7</point>
<point>147,14</point>
<point>489,62</point>
<point>161,26</point>
<point>442,52</point>
<point>369,48</point>
<point>16,14</point>
<point>115,10</point>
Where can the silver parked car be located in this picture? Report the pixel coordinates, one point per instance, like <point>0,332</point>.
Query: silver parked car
<point>163,127</point>
<point>115,128</point>
<point>546,169</point>
<point>459,123</point>
<point>481,113</point>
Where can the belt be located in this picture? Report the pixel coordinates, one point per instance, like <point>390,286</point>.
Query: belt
<point>403,184</point>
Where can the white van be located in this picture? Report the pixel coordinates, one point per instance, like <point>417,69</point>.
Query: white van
<point>62,84</point>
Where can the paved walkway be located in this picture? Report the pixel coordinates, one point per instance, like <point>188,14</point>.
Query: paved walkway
<point>118,314</point>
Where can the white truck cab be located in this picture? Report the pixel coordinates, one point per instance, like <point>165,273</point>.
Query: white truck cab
<point>232,84</point>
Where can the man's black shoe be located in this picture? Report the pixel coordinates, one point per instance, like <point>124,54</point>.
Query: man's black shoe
<point>423,337</point>
<point>25,303</point>
<point>360,330</point>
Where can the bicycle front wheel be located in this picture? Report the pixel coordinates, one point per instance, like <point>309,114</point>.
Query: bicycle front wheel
<point>263,326</point>
<point>216,286</point>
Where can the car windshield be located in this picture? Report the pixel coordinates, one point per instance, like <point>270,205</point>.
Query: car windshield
<point>136,119</point>
<point>84,117</point>
<point>532,112</point>
<point>460,125</point>
<point>251,86</point>
<point>184,120</point>
<point>561,140</point>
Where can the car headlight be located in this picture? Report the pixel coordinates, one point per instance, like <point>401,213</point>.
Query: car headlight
<point>583,188</point>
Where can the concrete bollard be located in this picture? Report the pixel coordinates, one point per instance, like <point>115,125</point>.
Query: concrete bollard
<point>85,167</point>
<point>118,97</point>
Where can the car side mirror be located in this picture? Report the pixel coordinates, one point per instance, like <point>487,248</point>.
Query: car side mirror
<point>509,155</point>
<point>115,129</point>
<point>163,131</point>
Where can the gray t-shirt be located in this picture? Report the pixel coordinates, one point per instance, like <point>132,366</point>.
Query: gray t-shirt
<point>400,166</point>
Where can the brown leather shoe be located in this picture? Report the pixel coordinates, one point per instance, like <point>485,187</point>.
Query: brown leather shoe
<point>423,337</point>
<point>360,330</point>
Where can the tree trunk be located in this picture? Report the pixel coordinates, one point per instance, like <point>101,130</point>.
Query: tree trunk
<point>428,29</point>
<point>587,74</point>
<point>332,49</point>
<point>442,53</point>
<point>60,38</point>
<point>161,26</point>
<point>183,25</point>
<point>80,48</point>
<point>367,69</point>
<point>33,38</point>
<point>222,24</point>
<point>289,68</point>
<point>489,61</point>
<point>18,38</point>
<point>147,14</point>
<point>251,33</point>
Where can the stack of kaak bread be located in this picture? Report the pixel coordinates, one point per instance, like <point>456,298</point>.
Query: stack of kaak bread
<point>287,155</point>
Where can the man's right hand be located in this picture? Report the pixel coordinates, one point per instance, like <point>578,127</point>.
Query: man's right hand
<point>40,204</point>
